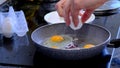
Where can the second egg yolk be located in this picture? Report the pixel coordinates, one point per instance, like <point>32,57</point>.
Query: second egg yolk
<point>89,46</point>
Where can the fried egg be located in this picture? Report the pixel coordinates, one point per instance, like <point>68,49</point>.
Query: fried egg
<point>57,38</point>
<point>64,42</point>
<point>57,41</point>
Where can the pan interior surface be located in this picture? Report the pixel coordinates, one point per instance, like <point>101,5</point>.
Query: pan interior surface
<point>89,33</point>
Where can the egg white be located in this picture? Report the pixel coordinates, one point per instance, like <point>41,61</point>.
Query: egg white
<point>61,45</point>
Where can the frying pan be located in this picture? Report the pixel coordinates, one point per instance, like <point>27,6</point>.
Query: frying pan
<point>90,33</point>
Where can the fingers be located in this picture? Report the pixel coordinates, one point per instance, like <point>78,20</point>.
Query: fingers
<point>71,12</point>
<point>63,9</point>
<point>75,19</point>
<point>75,12</point>
<point>59,6</point>
<point>86,15</point>
<point>67,12</point>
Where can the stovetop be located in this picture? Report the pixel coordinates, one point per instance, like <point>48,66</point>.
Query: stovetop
<point>99,61</point>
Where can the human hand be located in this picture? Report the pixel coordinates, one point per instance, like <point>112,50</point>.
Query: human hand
<point>67,8</point>
<point>59,6</point>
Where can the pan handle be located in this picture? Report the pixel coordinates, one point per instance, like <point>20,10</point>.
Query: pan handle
<point>114,43</point>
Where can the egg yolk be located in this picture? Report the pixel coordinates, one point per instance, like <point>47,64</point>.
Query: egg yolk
<point>56,47</point>
<point>88,46</point>
<point>56,38</point>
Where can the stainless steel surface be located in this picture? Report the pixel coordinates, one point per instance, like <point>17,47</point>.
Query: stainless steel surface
<point>107,12</point>
<point>109,5</point>
<point>109,8</point>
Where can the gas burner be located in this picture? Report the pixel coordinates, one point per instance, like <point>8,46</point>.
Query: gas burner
<point>98,61</point>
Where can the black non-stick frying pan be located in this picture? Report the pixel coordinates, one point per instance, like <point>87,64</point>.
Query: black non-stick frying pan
<point>95,34</point>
